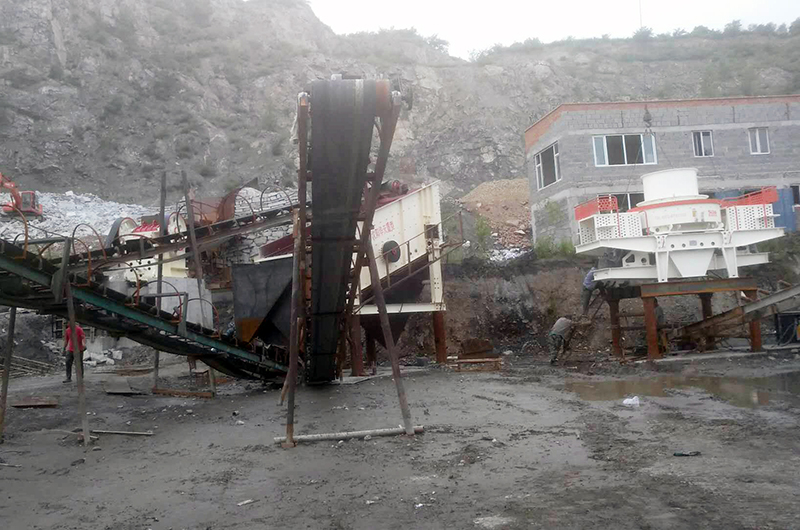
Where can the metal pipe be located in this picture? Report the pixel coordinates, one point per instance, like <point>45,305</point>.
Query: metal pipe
<point>418,429</point>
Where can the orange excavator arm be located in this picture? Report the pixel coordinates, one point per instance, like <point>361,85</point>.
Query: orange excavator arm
<point>8,185</point>
<point>19,205</point>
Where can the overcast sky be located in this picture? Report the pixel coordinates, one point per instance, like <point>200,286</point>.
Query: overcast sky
<point>479,24</point>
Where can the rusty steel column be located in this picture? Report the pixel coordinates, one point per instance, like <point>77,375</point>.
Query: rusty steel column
<point>198,271</point>
<point>356,353</point>
<point>755,325</point>
<point>12,320</point>
<point>708,312</point>
<point>294,332</point>
<point>651,326</point>
<point>162,231</point>
<point>377,290</point>
<point>440,337</point>
<point>372,356</point>
<point>616,332</point>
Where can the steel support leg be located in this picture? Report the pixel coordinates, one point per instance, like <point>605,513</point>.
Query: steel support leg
<point>162,231</point>
<point>755,325</point>
<point>651,326</point>
<point>294,333</point>
<point>440,337</point>
<point>12,320</point>
<point>616,332</point>
<point>708,312</point>
<point>377,290</point>
<point>356,353</point>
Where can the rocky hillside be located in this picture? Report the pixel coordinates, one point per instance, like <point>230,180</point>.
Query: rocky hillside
<point>101,96</point>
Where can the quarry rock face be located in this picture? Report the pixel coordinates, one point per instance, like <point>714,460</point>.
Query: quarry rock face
<point>101,96</point>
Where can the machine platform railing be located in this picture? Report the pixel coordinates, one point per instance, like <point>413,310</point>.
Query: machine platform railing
<point>600,204</point>
<point>766,195</point>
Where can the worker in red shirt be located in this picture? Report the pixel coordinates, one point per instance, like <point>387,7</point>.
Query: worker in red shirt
<point>69,348</point>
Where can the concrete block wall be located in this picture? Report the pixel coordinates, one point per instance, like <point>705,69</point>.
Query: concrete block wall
<point>731,168</point>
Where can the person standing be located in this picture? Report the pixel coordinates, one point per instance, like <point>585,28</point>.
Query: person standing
<point>589,285</point>
<point>69,349</point>
<point>559,337</point>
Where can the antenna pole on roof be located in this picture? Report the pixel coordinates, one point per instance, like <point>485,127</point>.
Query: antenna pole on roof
<point>641,25</point>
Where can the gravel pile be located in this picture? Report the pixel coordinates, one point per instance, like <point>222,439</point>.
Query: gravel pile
<point>505,204</point>
<point>63,211</point>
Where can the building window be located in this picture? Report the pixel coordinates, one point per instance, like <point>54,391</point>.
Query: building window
<point>624,149</point>
<point>759,141</point>
<point>703,144</point>
<point>625,201</point>
<point>548,167</point>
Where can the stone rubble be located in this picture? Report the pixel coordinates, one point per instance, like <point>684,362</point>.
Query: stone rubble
<point>504,204</point>
<point>64,211</point>
<point>505,254</point>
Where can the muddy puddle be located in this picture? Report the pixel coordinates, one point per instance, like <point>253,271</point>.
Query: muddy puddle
<point>743,392</point>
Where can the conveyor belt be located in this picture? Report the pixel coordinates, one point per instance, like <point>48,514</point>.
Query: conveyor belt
<point>208,236</point>
<point>343,114</point>
<point>755,310</point>
<point>26,280</point>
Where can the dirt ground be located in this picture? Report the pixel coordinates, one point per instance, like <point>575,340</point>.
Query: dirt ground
<point>533,446</point>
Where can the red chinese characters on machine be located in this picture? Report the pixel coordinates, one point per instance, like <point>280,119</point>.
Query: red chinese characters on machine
<point>382,229</point>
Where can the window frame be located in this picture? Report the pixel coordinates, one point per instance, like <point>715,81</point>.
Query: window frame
<point>537,166</point>
<point>629,204</point>
<point>624,150</point>
<point>758,140</point>
<point>703,145</point>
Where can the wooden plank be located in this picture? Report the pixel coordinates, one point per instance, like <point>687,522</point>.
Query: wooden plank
<point>31,362</point>
<point>131,371</point>
<point>35,402</point>
<point>182,393</point>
